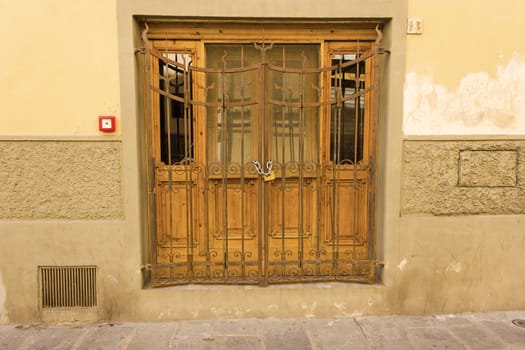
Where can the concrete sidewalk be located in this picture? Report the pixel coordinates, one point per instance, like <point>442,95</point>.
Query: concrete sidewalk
<point>466,331</point>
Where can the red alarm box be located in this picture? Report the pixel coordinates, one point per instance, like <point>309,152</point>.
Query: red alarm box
<point>106,123</point>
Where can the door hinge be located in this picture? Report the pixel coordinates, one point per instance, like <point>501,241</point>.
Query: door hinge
<point>146,267</point>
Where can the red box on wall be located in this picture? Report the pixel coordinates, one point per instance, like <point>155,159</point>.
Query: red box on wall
<point>106,123</point>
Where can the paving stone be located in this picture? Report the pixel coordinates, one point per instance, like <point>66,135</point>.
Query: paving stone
<point>403,321</point>
<point>414,321</point>
<point>506,332</point>
<point>450,321</point>
<point>385,335</point>
<point>472,331</point>
<point>108,337</point>
<point>476,337</point>
<point>502,316</point>
<point>336,334</point>
<point>433,338</point>
<point>512,315</point>
<point>220,343</point>
<point>153,335</point>
<point>196,329</point>
<point>57,338</point>
<point>12,338</point>
<point>239,327</point>
<point>285,334</point>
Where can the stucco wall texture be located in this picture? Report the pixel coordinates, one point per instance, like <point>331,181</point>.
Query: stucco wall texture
<point>60,180</point>
<point>463,177</point>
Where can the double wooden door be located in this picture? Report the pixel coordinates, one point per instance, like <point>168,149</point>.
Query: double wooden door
<point>260,159</point>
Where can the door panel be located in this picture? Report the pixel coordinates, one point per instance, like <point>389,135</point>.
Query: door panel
<point>176,212</point>
<point>234,210</point>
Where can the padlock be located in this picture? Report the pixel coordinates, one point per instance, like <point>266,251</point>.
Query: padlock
<point>269,177</point>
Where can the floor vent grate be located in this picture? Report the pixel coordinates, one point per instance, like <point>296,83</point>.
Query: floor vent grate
<point>68,286</point>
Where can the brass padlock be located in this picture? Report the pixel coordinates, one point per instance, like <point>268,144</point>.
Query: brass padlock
<point>270,177</point>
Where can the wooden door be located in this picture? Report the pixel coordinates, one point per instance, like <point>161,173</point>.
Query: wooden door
<point>261,161</point>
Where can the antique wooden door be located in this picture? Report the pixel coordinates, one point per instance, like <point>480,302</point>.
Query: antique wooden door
<point>260,161</point>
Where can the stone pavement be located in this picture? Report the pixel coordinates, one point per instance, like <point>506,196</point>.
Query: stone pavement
<point>493,330</point>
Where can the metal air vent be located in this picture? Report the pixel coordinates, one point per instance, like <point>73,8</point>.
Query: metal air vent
<point>68,286</point>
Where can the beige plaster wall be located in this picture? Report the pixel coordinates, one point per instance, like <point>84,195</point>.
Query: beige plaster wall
<point>61,190</point>
<point>31,243</point>
<point>466,71</point>
<point>86,67</point>
<point>433,264</point>
<point>462,225</point>
<point>461,236</point>
<point>60,66</point>
<point>450,264</point>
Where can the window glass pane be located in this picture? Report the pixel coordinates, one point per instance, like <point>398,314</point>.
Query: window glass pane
<point>347,119</point>
<point>230,122</point>
<point>176,128</point>
<point>294,130</point>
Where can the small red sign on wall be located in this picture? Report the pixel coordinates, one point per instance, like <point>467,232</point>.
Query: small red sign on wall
<point>106,123</point>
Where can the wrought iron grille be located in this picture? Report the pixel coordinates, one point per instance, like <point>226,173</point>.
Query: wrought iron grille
<point>261,162</point>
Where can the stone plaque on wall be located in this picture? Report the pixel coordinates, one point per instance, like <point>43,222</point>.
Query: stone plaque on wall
<point>492,168</point>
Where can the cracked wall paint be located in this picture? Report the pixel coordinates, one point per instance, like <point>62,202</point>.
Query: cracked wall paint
<point>481,104</point>
<point>3,297</point>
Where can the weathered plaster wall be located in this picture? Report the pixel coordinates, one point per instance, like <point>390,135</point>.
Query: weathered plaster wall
<point>463,177</point>
<point>480,104</point>
<point>473,81</point>
<point>59,66</point>
<point>3,299</point>
<point>27,244</point>
<point>60,180</point>
<point>461,236</point>
<point>451,264</point>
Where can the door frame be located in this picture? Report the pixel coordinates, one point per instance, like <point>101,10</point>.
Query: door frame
<point>197,45</point>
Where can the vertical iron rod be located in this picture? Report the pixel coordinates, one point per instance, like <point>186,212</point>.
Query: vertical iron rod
<point>357,107</point>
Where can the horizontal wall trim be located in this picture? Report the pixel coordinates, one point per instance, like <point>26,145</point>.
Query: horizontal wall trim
<point>463,137</point>
<point>41,138</point>
<point>258,19</point>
